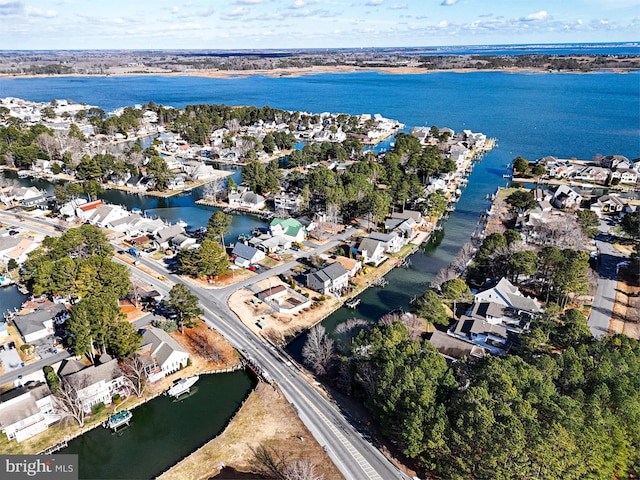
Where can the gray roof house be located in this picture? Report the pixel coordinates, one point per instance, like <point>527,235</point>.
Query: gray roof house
<point>164,235</point>
<point>371,251</point>
<point>27,411</point>
<point>38,323</point>
<point>161,354</point>
<point>246,254</point>
<point>392,241</point>
<point>331,279</point>
<point>95,383</point>
<point>494,338</point>
<point>453,348</point>
<point>508,295</point>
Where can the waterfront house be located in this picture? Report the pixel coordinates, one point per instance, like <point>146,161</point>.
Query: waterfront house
<point>627,175</point>
<point>332,279</point>
<point>391,241</point>
<point>566,197</point>
<point>105,214</point>
<point>39,323</point>
<point>246,254</point>
<point>453,348</point>
<point>405,228</point>
<point>164,236</point>
<point>94,384</point>
<point>492,337</point>
<point>287,201</point>
<point>291,228</point>
<point>183,242</point>
<point>371,251</point>
<point>351,265</point>
<point>28,196</point>
<point>86,210</point>
<point>608,204</point>
<point>415,215</point>
<point>284,299</point>
<point>27,411</point>
<point>161,354</point>
<point>243,197</point>
<point>16,248</point>
<point>506,294</point>
<point>198,171</point>
<point>592,174</point>
<point>615,162</point>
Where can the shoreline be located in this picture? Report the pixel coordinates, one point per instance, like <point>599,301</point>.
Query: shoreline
<point>318,70</point>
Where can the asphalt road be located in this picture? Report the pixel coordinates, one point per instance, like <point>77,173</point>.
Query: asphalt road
<point>602,309</point>
<point>355,456</point>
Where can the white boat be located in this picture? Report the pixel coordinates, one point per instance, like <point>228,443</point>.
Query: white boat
<point>118,419</point>
<point>181,386</point>
<point>6,281</point>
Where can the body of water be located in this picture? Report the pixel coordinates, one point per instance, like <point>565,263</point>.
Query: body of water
<point>162,431</point>
<point>532,115</point>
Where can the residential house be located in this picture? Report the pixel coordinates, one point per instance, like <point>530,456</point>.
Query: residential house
<point>39,323</point>
<point>566,197</point>
<point>86,210</point>
<point>453,348</point>
<point>627,175</point>
<point>94,384</point>
<point>28,196</point>
<point>492,337</point>
<point>246,254</point>
<point>198,171</point>
<point>284,299</point>
<point>615,162</point>
<point>392,241</point>
<point>183,242</point>
<point>332,279</point>
<point>405,228</point>
<point>164,236</point>
<point>161,354</point>
<point>371,251</point>
<point>506,294</point>
<point>592,174</point>
<point>16,248</point>
<point>351,265</point>
<point>291,228</point>
<point>105,214</point>
<point>290,202</point>
<point>415,215</point>
<point>608,204</point>
<point>27,411</point>
<point>244,197</point>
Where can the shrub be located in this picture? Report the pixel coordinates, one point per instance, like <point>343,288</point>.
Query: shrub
<point>116,399</point>
<point>97,408</point>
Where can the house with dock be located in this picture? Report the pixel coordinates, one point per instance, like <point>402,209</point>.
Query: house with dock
<point>27,411</point>
<point>161,354</point>
<point>332,279</point>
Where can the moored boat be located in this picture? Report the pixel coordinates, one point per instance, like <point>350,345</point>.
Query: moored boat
<point>118,419</point>
<point>181,386</point>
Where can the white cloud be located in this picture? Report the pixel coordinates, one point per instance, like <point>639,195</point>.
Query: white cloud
<point>443,24</point>
<point>238,12</point>
<point>38,12</point>
<point>399,6</point>
<point>448,3</point>
<point>536,17</point>
<point>250,2</point>
<point>11,8</point>
<point>374,3</point>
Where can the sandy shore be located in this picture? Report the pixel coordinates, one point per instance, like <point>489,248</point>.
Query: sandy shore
<point>314,70</point>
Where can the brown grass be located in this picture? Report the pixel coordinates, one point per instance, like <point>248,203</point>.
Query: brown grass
<point>626,311</point>
<point>266,418</point>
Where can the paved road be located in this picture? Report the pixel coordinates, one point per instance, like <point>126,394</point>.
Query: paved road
<point>354,456</point>
<point>12,375</point>
<point>604,300</point>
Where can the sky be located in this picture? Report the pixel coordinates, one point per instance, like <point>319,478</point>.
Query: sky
<point>278,24</point>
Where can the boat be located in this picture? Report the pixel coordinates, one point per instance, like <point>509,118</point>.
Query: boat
<point>118,419</point>
<point>6,281</point>
<point>352,302</point>
<point>181,386</point>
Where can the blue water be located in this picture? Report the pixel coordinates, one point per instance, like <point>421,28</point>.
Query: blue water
<point>532,115</point>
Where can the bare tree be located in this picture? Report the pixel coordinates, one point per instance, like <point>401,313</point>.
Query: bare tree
<point>134,370</point>
<point>233,125</point>
<point>301,470</point>
<point>268,461</point>
<point>347,331</point>
<point>443,275</point>
<point>389,318</point>
<point>49,145</point>
<point>414,325</point>
<point>318,349</point>
<point>243,146</point>
<point>213,189</point>
<point>67,400</point>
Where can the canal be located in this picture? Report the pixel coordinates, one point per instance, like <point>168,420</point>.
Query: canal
<point>162,431</point>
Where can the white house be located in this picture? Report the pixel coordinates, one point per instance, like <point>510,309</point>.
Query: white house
<point>246,198</point>
<point>38,324</point>
<point>392,241</point>
<point>161,354</point>
<point>284,299</point>
<point>94,384</point>
<point>183,242</point>
<point>290,228</point>
<point>287,201</point>
<point>371,251</point>
<point>27,411</point>
<point>164,236</point>
<point>332,279</point>
<point>246,254</point>
<point>105,214</point>
<point>566,197</point>
<point>506,294</point>
<point>16,248</point>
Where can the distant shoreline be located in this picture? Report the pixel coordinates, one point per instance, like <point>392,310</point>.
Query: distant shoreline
<point>316,70</point>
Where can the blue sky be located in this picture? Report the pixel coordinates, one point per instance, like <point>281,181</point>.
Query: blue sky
<point>240,24</point>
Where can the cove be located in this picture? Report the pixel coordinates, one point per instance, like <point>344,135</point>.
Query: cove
<point>163,431</point>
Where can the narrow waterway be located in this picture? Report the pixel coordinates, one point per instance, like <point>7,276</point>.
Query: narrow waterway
<point>162,431</point>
